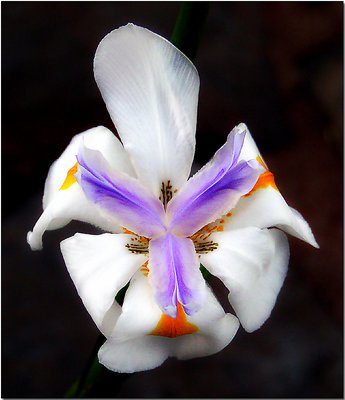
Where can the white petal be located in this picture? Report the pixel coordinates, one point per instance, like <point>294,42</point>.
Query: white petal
<point>252,263</point>
<point>249,149</point>
<point>140,313</point>
<point>150,89</point>
<point>266,208</point>
<point>131,347</point>
<point>100,265</point>
<point>67,205</point>
<point>61,206</point>
<point>216,330</point>
<point>140,354</point>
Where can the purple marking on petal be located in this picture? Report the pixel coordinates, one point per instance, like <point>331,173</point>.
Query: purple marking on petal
<point>174,274</point>
<point>124,197</point>
<point>215,189</point>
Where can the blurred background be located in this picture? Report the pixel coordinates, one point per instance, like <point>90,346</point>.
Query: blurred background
<point>275,66</point>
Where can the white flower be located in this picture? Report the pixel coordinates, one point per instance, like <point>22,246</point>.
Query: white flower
<point>160,225</point>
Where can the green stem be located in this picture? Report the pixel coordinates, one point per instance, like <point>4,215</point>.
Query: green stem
<point>92,371</point>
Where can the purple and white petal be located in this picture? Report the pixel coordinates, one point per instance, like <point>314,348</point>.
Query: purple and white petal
<point>151,91</point>
<point>61,206</point>
<point>214,190</point>
<point>266,207</point>
<point>99,138</point>
<point>174,274</point>
<point>252,263</point>
<point>119,195</point>
<point>100,265</point>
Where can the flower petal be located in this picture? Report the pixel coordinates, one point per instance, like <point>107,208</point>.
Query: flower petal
<point>252,263</point>
<point>175,275</point>
<point>249,149</point>
<point>63,199</point>
<point>100,265</point>
<point>216,331</point>
<point>119,195</point>
<point>131,346</point>
<point>264,206</point>
<point>68,205</point>
<point>267,208</point>
<point>99,138</point>
<point>215,189</point>
<point>150,89</point>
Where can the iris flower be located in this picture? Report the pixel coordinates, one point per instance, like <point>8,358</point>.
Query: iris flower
<point>159,225</point>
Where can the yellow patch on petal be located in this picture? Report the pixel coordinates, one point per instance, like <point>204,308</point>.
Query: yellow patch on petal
<point>70,178</point>
<point>174,327</point>
<point>265,180</point>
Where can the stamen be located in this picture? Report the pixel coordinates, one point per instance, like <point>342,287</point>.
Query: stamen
<point>139,245</point>
<point>167,193</point>
<point>138,248</point>
<point>201,240</point>
<point>205,247</point>
<point>70,178</point>
<point>174,327</point>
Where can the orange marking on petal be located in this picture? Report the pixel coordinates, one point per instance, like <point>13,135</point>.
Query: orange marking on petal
<point>173,327</point>
<point>265,179</point>
<point>229,214</point>
<point>220,228</point>
<point>142,239</point>
<point>144,268</point>
<point>70,178</point>
<point>127,232</point>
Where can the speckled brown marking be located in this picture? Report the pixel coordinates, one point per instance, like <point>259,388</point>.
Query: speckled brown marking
<point>204,247</point>
<point>167,193</point>
<point>139,245</point>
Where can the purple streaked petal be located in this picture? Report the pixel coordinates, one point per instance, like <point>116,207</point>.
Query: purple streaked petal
<point>120,195</point>
<point>174,274</point>
<point>215,189</point>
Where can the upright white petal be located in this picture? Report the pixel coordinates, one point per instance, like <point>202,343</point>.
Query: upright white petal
<point>252,263</point>
<point>132,346</point>
<point>62,205</point>
<point>100,265</point>
<point>150,89</point>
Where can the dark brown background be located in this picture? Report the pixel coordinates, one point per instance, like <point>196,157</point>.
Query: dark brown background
<point>275,66</point>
